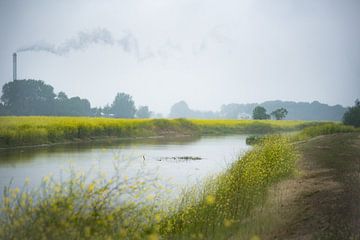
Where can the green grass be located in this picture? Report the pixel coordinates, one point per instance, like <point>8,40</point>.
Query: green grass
<point>25,131</point>
<point>249,126</point>
<point>323,129</point>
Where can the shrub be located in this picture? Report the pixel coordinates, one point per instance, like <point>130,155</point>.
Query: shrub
<point>352,115</point>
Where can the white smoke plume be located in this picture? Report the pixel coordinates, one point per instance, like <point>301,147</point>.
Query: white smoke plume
<point>84,39</point>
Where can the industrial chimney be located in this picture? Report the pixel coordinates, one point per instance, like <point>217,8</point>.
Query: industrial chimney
<point>14,66</point>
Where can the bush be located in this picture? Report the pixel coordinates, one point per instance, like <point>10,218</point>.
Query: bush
<point>352,116</point>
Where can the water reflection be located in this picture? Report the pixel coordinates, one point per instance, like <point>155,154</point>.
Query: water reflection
<point>213,155</point>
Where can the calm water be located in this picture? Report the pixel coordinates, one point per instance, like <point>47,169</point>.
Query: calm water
<point>152,156</point>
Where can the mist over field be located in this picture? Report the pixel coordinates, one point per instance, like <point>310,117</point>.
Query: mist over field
<point>207,53</point>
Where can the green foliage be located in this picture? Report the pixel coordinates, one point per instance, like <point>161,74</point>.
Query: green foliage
<point>123,106</point>
<point>252,140</point>
<point>34,97</point>
<point>352,115</point>
<point>260,113</point>
<point>143,112</point>
<point>28,97</point>
<point>74,106</point>
<point>80,209</point>
<point>279,113</point>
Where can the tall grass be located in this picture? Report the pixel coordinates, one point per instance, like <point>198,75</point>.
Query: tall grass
<point>323,129</point>
<point>20,131</point>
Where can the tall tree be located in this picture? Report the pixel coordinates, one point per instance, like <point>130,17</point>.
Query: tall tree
<point>123,106</point>
<point>260,113</point>
<point>279,113</point>
<point>28,97</point>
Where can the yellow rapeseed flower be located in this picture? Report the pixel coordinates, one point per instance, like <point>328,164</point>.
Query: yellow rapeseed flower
<point>157,217</point>
<point>210,199</point>
<point>91,187</point>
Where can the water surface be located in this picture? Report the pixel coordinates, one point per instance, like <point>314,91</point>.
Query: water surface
<point>153,156</point>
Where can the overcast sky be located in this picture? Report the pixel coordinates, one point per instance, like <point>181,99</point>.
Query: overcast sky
<point>206,52</point>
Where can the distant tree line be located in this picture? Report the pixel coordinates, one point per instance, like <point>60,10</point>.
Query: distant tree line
<point>277,109</point>
<point>34,97</point>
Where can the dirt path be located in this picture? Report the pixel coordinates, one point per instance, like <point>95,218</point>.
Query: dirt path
<point>323,202</point>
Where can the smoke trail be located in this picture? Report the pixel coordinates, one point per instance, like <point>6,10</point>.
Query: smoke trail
<point>81,41</point>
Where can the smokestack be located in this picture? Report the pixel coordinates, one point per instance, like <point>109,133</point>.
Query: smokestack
<point>14,66</point>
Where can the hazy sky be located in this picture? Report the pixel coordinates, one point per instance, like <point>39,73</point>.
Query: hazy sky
<point>205,52</point>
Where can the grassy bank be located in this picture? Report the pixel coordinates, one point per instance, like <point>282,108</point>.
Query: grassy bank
<point>249,126</point>
<point>20,131</point>
<point>25,131</point>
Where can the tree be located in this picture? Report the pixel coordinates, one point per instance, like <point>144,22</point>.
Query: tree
<point>260,113</point>
<point>143,112</point>
<point>352,115</point>
<point>123,106</point>
<point>74,106</point>
<point>28,97</point>
<point>279,113</point>
<point>180,110</point>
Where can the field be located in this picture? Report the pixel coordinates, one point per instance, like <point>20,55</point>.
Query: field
<point>220,208</point>
<point>25,131</point>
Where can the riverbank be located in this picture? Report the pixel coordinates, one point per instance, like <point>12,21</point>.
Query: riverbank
<point>32,131</point>
<point>322,201</point>
<point>232,205</point>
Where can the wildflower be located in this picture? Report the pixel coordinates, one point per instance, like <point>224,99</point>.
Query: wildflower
<point>157,217</point>
<point>210,199</point>
<point>91,187</point>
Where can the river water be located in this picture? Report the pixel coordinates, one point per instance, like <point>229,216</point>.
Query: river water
<point>162,157</point>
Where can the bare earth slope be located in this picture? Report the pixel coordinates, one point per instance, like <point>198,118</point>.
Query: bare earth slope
<point>323,202</point>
